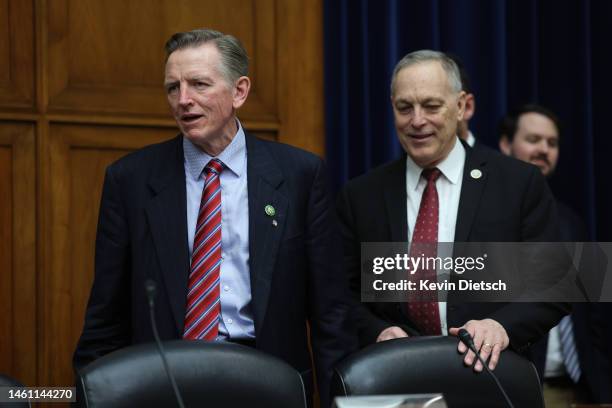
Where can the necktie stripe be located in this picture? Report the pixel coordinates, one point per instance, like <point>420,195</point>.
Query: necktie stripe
<point>204,255</point>
<point>565,334</point>
<point>207,329</point>
<point>203,294</point>
<point>207,207</point>
<point>206,279</point>
<point>202,299</point>
<point>202,321</point>
<point>205,267</point>
<point>200,309</point>
<point>203,279</point>
<point>213,217</point>
<point>568,348</point>
<point>207,238</point>
<point>204,309</point>
<point>209,193</point>
<point>203,230</point>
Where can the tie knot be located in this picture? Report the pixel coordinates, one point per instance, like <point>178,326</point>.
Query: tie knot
<point>215,166</point>
<point>431,175</point>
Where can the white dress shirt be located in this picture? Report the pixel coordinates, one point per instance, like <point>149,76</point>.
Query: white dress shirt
<point>470,139</point>
<point>448,186</point>
<point>554,366</point>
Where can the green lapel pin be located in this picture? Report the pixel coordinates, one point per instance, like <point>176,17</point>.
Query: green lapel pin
<point>270,211</point>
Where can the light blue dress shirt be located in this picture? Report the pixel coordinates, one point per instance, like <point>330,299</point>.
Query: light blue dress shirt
<point>236,315</point>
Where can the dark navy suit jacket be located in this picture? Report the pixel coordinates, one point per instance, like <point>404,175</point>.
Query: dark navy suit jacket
<point>295,269</point>
<point>510,202</point>
<point>591,327</point>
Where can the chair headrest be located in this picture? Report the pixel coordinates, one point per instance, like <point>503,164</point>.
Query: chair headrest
<point>433,365</point>
<point>222,374</point>
<point>8,381</point>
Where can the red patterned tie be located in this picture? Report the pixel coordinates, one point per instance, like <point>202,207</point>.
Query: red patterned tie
<point>423,308</point>
<point>203,297</point>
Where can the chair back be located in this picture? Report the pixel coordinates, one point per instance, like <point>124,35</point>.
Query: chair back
<point>422,365</point>
<point>8,381</point>
<point>207,374</point>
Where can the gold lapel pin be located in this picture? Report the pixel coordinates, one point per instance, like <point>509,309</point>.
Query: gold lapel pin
<point>476,174</point>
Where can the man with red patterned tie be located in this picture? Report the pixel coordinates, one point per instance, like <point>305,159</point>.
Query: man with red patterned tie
<point>238,233</point>
<point>443,191</point>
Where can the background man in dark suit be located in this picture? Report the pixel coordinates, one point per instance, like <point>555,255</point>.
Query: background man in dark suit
<point>571,359</point>
<point>238,233</point>
<point>478,196</point>
<point>463,127</point>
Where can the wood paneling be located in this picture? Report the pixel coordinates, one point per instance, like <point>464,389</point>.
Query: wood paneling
<point>16,54</point>
<point>78,156</point>
<point>17,252</point>
<point>300,61</point>
<point>107,56</point>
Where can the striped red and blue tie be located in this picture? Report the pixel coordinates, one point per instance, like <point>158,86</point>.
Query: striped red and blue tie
<point>203,295</point>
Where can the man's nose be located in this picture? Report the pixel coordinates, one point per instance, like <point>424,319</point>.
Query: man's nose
<point>543,146</point>
<point>184,96</point>
<point>418,119</point>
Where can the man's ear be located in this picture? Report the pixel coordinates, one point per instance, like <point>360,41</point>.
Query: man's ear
<point>505,146</point>
<point>470,106</point>
<point>461,106</point>
<point>241,91</point>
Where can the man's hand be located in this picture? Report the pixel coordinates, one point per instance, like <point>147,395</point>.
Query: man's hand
<point>389,333</point>
<point>490,338</point>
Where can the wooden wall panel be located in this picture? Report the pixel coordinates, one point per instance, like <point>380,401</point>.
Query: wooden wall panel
<point>300,67</point>
<point>16,54</point>
<point>5,46</point>
<point>107,56</point>
<point>78,156</point>
<point>17,252</point>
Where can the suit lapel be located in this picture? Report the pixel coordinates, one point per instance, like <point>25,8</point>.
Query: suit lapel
<point>474,181</point>
<point>394,190</point>
<point>264,178</point>
<point>167,217</point>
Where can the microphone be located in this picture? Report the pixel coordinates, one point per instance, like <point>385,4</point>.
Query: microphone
<point>151,291</point>
<point>466,338</point>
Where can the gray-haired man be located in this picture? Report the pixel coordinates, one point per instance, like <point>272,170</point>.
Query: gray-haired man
<point>442,191</point>
<point>238,233</point>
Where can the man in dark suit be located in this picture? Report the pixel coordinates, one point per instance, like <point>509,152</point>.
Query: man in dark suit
<point>463,127</point>
<point>477,195</point>
<point>531,133</point>
<point>238,233</point>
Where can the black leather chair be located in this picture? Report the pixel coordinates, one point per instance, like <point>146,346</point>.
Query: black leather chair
<point>7,381</point>
<point>207,375</point>
<point>433,365</point>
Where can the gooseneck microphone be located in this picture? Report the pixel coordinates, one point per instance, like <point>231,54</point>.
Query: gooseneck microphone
<point>151,290</point>
<point>466,338</point>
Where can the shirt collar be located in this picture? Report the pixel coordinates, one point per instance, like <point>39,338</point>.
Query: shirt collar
<point>470,139</point>
<point>233,156</point>
<point>451,167</point>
